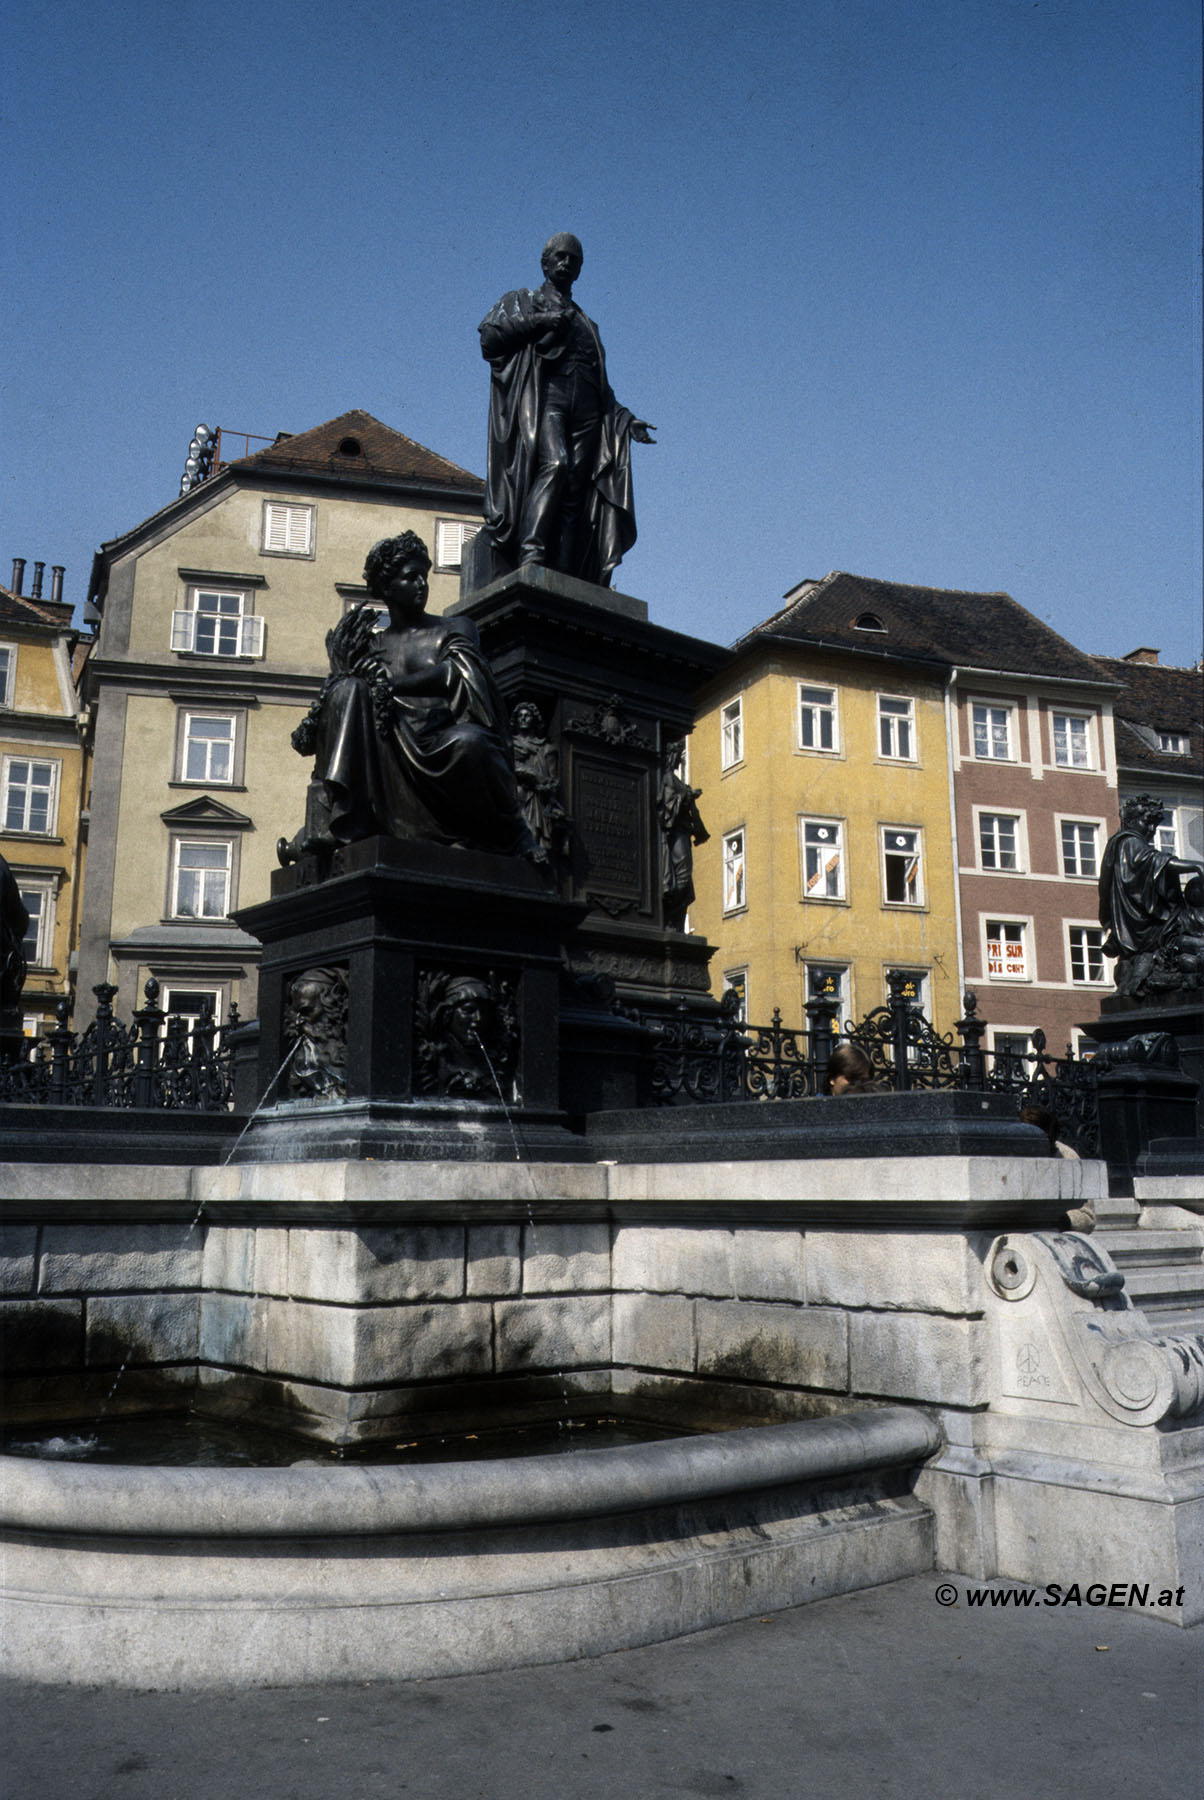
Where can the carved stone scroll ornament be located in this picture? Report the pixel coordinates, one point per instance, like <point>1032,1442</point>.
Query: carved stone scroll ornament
<point>1151,904</point>
<point>315,1034</point>
<point>1072,1312</point>
<point>465,1035</point>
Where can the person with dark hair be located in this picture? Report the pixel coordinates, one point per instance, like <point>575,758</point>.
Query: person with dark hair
<point>409,730</point>
<point>558,492</point>
<point>850,1071</point>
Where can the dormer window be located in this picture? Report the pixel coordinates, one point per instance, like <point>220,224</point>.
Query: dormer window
<point>868,621</point>
<point>350,446</point>
<point>1174,743</point>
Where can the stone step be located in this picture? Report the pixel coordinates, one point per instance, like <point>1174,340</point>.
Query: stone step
<point>1164,1287</point>
<point>1174,1323</point>
<point>1130,1248</point>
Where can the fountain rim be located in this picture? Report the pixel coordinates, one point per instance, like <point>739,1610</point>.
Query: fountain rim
<point>368,1500</point>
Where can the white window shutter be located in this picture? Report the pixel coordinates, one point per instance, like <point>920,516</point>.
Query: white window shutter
<point>287,528</point>
<point>183,630</point>
<point>452,538</point>
<point>275,535</point>
<point>251,636</point>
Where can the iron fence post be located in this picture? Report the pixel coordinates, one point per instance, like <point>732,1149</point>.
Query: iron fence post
<point>971,1029</point>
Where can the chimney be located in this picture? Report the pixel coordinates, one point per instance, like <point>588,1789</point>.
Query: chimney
<point>18,574</point>
<point>35,592</point>
<point>1143,654</point>
<point>58,570</point>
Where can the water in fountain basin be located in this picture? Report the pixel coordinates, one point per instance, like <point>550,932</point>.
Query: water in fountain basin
<point>193,1440</point>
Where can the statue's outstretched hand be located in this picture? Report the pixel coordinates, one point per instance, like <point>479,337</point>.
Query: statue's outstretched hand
<point>642,431</point>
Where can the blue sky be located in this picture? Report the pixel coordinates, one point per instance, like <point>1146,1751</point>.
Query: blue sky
<point>910,287</point>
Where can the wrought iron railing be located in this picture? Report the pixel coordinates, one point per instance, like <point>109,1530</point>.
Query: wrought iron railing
<point>181,1064</point>
<point>728,1059</point>
<point>155,1061</point>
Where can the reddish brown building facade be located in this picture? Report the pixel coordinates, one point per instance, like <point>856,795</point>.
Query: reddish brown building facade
<point>1035,799</point>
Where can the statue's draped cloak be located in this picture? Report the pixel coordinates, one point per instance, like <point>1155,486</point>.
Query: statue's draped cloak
<point>1141,900</point>
<point>516,400</point>
<point>441,770</point>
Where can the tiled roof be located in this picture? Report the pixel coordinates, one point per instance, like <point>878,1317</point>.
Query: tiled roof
<point>20,609</point>
<point>947,626</point>
<point>382,452</point>
<point>1155,698</point>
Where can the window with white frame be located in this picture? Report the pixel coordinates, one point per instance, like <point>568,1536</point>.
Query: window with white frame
<point>452,538</point>
<point>288,528</point>
<point>8,674</point>
<point>999,841</point>
<point>1080,847</point>
<point>1011,1047</point>
<point>735,981</point>
<point>735,891</point>
<point>1166,834</point>
<point>38,897</point>
<point>217,622</point>
<point>1007,956</point>
<point>1072,740</point>
<point>30,795</point>
<point>823,858</point>
<point>1087,963</point>
<point>992,730</point>
<point>190,1004</point>
<point>200,880</point>
<point>896,727</point>
<point>817,718</point>
<point>731,727</point>
<point>1174,743</point>
<point>902,875</point>
<point>207,746</point>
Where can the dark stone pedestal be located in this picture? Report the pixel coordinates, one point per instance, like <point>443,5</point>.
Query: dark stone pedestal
<point>612,691</point>
<point>450,962</point>
<point>1142,1101</point>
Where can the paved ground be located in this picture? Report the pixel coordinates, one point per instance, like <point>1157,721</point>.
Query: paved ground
<point>879,1693</point>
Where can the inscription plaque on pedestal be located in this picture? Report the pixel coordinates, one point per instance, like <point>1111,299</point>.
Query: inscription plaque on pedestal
<point>610,806</point>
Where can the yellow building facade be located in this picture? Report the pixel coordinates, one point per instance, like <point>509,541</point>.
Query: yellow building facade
<point>41,785</point>
<point>825,780</point>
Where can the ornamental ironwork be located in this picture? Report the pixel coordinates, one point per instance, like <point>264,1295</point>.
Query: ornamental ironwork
<point>157,1061</point>
<point>699,1061</point>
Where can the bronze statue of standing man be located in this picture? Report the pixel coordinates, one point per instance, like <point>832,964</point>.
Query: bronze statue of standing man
<point>559,486</point>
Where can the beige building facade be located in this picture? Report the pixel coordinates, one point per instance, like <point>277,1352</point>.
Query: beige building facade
<point>211,645</point>
<point>41,783</point>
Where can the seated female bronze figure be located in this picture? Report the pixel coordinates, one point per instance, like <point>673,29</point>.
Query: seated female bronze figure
<point>409,732</point>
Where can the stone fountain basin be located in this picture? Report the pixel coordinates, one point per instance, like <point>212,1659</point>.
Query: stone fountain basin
<point>194,1577</point>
